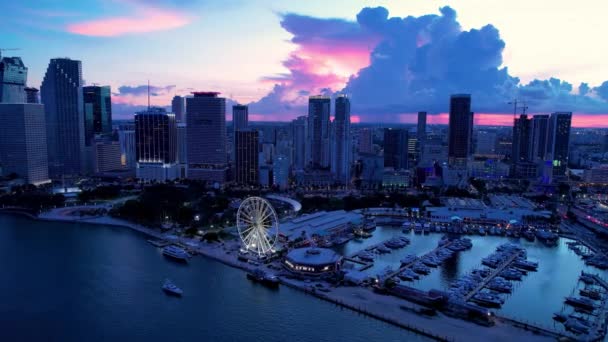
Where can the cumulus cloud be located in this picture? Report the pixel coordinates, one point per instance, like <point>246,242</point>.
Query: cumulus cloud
<point>394,65</point>
<point>141,90</point>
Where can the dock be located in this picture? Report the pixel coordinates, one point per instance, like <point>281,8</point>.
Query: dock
<point>492,275</point>
<point>405,266</point>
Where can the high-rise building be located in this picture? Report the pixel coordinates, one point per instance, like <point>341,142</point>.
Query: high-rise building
<point>299,129</point>
<point>178,107</point>
<point>107,155</point>
<point>486,142</point>
<point>182,149</point>
<point>240,117</point>
<point>13,76</point>
<point>341,141</point>
<point>318,131</point>
<point>23,141</point>
<point>540,134</point>
<point>365,140</point>
<point>31,95</point>
<point>460,130</point>
<point>61,94</point>
<point>280,172</point>
<point>156,145</point>
<point>206,137</point>
<point>97,112</point>
<point>521,142</point>
<point>126,138</point>
<point>395,148</point>
<point>559,141</point>
<point>246,144</point>
<point>421,128</point>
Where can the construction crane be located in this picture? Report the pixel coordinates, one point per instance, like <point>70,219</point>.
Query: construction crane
<point>523,107</point>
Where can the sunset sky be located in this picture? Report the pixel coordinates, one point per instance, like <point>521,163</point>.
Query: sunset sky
<point>393,58</point>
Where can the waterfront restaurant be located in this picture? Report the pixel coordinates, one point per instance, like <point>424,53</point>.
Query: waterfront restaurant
<point>313,262</point>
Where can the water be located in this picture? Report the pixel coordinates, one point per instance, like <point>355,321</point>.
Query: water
<point>534,299</point>
<point>78,282</point>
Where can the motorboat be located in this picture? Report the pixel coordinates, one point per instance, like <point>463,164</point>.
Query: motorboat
<point>581,302</point>
<point>487,299</point>
<point>176,253</point>
<point>171,288</point>
<point>263,278</point>
<point>408,259</point>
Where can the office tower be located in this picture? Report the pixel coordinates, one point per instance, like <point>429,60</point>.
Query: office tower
<point>421,128</point>
<point>540,133</point>
<point>126,138</point>
<point>558,141</point>
<point>31,95</point>
<point>23,141</point>
<point>206,137</point>
<point>246,144</point>
<point>178,107</point>
<point>107,155</point>
<point>486,142</point>
<point>97,112</point>
<point>299,129</point>
<point>460,130</point>
<point>280,172</point>
<point>13,76</point>
<point>395,148</point>
<point>413,150</point>
<point>61,94</point>
<point>341,141</point>
<point>156,145</point>
<point>521,142</point>
<point>365,141</point>
<point>182,149</point>
<point>318,131</point>
<point>240,117</point>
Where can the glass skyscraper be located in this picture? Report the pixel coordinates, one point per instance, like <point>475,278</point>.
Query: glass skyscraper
<point>318,131</point>
<point>460,130</point>
<point>341,140</point>
<point>559,141</point>
<point>97,111</point>
<point>156,145</point>
<point>246,157</point>
<point>206,137</point>
<point>61,94</point>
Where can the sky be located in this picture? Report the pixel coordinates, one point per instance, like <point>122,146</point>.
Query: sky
<point>393,58</point>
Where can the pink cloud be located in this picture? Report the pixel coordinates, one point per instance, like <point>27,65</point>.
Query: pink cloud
<point>147,20</point>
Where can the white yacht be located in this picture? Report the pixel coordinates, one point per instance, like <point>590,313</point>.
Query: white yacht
<point>176,253</point>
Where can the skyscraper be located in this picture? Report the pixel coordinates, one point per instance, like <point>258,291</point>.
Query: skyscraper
<point>559,141</point>
<point>206,137</point>
<point>341,140</point>
<point>126,138</point>
<point>280,172</point>
<point>395,148</point>
<point>31,95</point>
<point>540,134</point>
<point>421,128</point>
<point>156,145</point>
<point>13,76</point>
<point>460,130</point>
<point>246,157</point>
<point>318,131</point>
<point>365,140</point>
<point>299,129</point>
<point>97,112</point>
<point>178,107</point>
<point>240,117</point>
<point>61,94</point>
<point>23,141</point>
<point>521,147</point>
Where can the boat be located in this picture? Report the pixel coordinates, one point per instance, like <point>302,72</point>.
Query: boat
<point>591,293</point>
<point>421,268</point>
<point>395,243</point>
<point>171,289</point>
<point>576,325</point>
<point>366,256</point>
<point>383,250</point>
<point>417,228</point>
<point>259,276</point>
<point>362,233</point>
<point>487,299</point>
<point>560,317</point>
<point>587,278</point>
<point>176,253</point>
<point>511,274</point>
<point>430,260</point>
<point>581,302</point>
<point>408,259</point>
<point>528,235</point>
<point>526,264</point>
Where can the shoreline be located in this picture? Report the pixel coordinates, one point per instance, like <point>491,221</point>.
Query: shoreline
<point>361,300</point>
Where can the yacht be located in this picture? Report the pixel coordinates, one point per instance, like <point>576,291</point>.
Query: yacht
<point>383,250</point>
<point>591,293</point>
<point>581,302</point>
<point>171,289</point>
<point>395,243</point>
<point>176,253</point>
<point>366,256</point>
<point>421,268</point>
<point>263,278</point>
<point>408,259</point>
<point>487,299</point>
<point>418,228</point>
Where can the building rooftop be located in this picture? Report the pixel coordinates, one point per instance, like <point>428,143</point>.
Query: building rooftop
<point>320,223</point>
<point>313,256</point>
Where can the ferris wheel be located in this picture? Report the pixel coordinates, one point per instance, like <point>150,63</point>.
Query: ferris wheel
<point>258,225</point>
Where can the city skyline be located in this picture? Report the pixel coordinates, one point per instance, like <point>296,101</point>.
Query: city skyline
<point>300,60</point>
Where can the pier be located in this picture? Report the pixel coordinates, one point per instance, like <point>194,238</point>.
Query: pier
<point>405,266</point>
<point>492,275</point>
